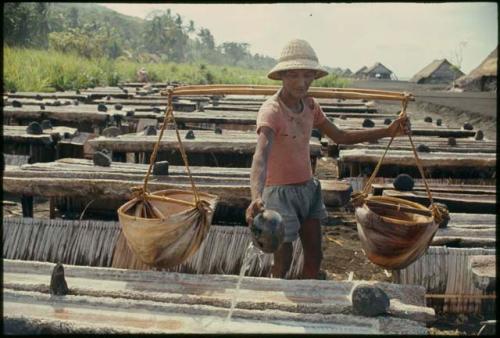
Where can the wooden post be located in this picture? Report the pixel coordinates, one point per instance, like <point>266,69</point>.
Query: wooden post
<point>52,208</point>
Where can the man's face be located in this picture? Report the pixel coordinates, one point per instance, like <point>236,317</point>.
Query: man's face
<point>297,81</point>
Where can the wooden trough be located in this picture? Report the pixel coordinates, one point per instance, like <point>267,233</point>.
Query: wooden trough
<point>104,300</point>
<point>80,178</point>
<point>354,162</point>
<point>229,149</point>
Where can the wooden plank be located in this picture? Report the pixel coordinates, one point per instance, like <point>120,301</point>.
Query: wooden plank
<point>230,141</point>
<point>456,202</point>
<point>55,95</point>
<point>18,134</point>
<point>378,188</point>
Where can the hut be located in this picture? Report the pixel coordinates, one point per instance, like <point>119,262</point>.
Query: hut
<point>438,71</point>
<point>360,73</point>
<point>482,78</point>
<point>378,71</point>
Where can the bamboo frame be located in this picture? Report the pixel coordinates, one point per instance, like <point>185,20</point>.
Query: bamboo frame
<point>443,296</point>
<point>398,207</point>
<point>168,199</point>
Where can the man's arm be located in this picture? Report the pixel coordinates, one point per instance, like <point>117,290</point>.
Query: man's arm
<point>399,127</point>
<point>258,171</point>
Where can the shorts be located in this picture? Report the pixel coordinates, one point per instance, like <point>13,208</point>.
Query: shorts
<point>295,203</point>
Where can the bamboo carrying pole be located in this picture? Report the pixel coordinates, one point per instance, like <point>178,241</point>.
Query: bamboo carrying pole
<point>399,207</point>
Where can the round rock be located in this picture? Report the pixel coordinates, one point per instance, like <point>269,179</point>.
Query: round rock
<point>42,107</point>
<point>102,107</point>
<point>118,106</point>
<point>38,97</point>
<point>190,135</point>
<point>16,104</point>
<point>479,135</point>
<point>34,128</point>
<point>452,141</point>
<point>468,126</point>
<point>370,301</point>
<point>439,122</point>
<point>56,103</point>
<point>101,159</point>
<point>367,123</point>
<point>218,130</point>
<point>423,148</point>
<point>387,121</point>
<point>428,119</point>
<point>403,182</point>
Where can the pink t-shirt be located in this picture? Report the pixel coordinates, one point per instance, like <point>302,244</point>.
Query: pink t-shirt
<point>289,159</point>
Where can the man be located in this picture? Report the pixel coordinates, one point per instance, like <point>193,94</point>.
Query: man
<point>281,174</point>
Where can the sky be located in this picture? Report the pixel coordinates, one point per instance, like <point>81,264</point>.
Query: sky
<point>405,37</point>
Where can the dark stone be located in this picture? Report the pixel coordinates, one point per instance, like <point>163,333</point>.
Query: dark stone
<point>423,148</point>
<point>34,128</point>
<point>343,117</point>
<point>46,124</point>
<point>130,113</point>
<point>446,216</point>
<point>190,135</point>
<point>403,182</point>
<point>370,301</point>
<point>42,106</point>
<point>428,119</point>
<point>16,104</point>
<point>77,92</point>
<point>118,106</point>
<point>367,123</point>
<point>217,130</point>
<point>101,159</point>
<point>102,107</point>
<point>156,110</point>
<point>125,91</point>
<point>108,97</point>
<point>439,122</point>
<point>479,135</point>
<point>38,97</point>
<point>387,121</point>
<point>111,132</point>
<point>316,133</point>
<point>452,141</point>
<point>468,126</point>
<point>76,102</point>
<point>56,103</point>
<point>160,168</point>
<point>150,130</point>
<point>58,285</point>
<point>67,135</point>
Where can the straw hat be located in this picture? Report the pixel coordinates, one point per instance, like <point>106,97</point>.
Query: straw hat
<point>297,54</point>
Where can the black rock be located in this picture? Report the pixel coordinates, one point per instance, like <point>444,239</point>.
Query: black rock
<point>111,132</point>
<point>76,102</point>
<point>439,122</point>
<point>130,113</point>
<point>367,123</point>
<point>125,91</point>
<point>42,106</point>
<point>34,128</point>
<point>445,214</point>
<point>217,130</point>
<point>387,121</point>
<point>452,141</point>
<point>102,107</point>
<point>38,97</point>
<point>156,110</point>
<point>428,119</point>
<point>101,159</point>
<point>370,301</point>
<point>108,97</point>
<point>56,103</point>
<point>423,148</point>
<point>67,135</point>
<point>118,106</point>
<point>150,130</point>
<point>316,133</point>
<point>46,124</point>
<point>343,117</point>
<point>479,135</point>
<point>468,126</point>
<point>160,168</point>
<point>403,182</point>
<point>16,104</point>
<point>58,285</point>
<point>190,135</point>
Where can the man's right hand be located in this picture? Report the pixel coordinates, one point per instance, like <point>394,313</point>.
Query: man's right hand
<point>253,209</point>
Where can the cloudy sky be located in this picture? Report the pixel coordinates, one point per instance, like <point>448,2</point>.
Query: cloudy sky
<point>405,37</point>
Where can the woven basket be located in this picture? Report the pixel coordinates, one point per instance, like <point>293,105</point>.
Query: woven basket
<point>394,239</point>
<point>168,241</point>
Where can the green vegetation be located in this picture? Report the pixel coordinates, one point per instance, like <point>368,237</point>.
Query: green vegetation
<point>37,70</point>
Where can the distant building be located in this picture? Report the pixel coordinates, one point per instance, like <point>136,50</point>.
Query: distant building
<point>378,71</point>
<point>438,71</point>
<point>347,73</point>
<point>482,78</point>
<point>360,73</point>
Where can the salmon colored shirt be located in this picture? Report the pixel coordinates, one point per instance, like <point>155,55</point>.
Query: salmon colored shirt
<point>289,159</point>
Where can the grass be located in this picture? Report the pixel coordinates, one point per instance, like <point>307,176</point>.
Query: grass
<point>48,71</point>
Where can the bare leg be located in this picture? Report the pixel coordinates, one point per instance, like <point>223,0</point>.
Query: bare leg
<point>310,236</point>
<point>282,260</point>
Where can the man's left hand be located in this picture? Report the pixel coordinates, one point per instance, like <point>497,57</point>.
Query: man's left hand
<point>399,127</point>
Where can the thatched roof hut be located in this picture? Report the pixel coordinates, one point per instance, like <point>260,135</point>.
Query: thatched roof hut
<point>360,72</point>
<point>378,71</point>
<point>482,78</point>
<point>438,71</point>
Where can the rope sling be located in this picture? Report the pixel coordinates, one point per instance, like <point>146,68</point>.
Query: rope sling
<point>395,232</point>
<point>164,228</point>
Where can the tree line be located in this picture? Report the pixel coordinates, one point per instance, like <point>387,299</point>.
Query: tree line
<point>91,31</point>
